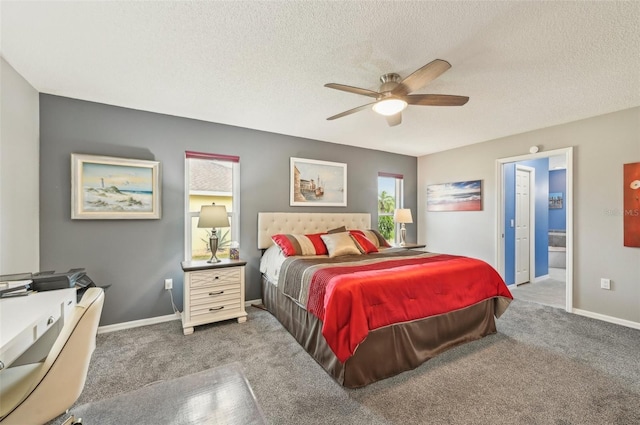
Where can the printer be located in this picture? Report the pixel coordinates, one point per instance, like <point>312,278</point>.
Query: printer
<point>48,281</point>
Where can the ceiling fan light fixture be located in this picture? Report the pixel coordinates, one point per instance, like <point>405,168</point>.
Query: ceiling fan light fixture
<point>389,107</point>
<point>394,95</point>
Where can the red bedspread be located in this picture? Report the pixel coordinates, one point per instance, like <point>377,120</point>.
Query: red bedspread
<point>374,295</point>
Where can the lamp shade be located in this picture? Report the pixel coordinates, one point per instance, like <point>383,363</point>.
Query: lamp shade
<point>213,216</point>
<point>402,215</point>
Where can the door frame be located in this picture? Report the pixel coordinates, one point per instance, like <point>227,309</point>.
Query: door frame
<point>532,221</point>
<point>500,199</point>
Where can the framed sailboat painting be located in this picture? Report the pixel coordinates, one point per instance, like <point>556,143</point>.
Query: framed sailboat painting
<point>318,183</point>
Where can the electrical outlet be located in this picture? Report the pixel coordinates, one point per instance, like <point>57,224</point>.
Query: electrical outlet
<point>168,284</point>
<point>605,283</point>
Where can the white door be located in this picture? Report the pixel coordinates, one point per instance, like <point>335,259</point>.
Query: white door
<point>523,226</point>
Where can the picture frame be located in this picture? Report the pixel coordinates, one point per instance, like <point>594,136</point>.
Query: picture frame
<point>556,200</point>
<point>631,204</point>
<point>110,188</point>
<point>456,196</point>
<point>315,183</point>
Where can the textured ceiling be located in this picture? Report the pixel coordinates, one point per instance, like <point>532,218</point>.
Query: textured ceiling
<point>263,65</point>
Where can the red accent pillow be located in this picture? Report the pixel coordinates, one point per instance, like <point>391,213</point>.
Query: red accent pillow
<point>291,244</point>
<point>362,242</point>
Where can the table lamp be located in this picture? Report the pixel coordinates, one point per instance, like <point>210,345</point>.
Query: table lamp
<point>213,216</point>
<point>402,216</point>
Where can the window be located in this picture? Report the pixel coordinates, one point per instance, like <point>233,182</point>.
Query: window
<point>209,179</point>
<point>390,197</point>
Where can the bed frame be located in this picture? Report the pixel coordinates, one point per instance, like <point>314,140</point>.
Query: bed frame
<point>386,351</point>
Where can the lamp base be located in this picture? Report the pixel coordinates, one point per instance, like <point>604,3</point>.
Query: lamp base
<point>213,245</point>
<point>403,235</point>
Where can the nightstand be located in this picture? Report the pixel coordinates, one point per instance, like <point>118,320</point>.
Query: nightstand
<point>410,246</point>
<point>212,292</point>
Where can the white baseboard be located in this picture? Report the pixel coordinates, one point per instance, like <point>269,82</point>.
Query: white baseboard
<point>605,318</point>
<point>138,323</point>
<point>153,320</point>
<point>541,278</point>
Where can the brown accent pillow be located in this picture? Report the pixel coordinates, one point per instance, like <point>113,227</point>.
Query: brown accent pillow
<point>337,230</point>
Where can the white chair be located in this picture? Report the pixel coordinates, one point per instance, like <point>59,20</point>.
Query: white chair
<point>38,392</point>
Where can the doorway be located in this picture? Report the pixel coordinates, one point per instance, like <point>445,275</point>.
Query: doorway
<point>507,256</point>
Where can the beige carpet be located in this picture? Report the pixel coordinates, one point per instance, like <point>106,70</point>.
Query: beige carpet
<point>544,366</point>
<point>551,291</point>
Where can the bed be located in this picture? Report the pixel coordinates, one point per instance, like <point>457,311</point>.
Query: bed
<point>370,315</point>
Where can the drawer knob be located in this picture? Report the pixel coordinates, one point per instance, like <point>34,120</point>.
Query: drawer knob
<point>216,308</point>
<point>216,293</point>
<point>217,277</point>
<point>50,320</point>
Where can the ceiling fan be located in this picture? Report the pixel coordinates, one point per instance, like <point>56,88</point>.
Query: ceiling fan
<point>394,95</point>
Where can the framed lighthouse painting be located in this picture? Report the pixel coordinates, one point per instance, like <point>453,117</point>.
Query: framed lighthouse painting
<point>104,188</point>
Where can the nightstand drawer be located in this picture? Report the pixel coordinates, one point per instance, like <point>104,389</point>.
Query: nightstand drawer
<point>217,310</point>
<point>215,277</point>
<point>212,294</point>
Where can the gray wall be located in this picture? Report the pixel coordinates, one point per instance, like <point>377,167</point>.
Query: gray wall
<point>18,173</point>
<point>601,146</point>
<point>135,256</point>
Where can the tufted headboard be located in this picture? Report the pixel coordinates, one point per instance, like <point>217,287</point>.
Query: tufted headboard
<point>273,223</point>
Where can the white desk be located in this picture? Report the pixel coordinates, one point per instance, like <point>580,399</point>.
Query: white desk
<point>23,320</point>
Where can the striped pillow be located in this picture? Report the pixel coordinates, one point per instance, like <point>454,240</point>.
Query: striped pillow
<point>300,244</point>
<point>375,237</point>
<point>363,243</point>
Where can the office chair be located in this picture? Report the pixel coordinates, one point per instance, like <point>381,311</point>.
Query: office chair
<point>38,392</point>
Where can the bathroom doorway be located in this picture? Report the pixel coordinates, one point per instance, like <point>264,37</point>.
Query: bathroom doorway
<point>549,236</point>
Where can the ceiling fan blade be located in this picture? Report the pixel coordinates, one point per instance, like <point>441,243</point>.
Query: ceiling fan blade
<point>394,120</point>
<point>436,99</point>
<point>350,111</point>
<point>356,90</point>
<point>421,77</point>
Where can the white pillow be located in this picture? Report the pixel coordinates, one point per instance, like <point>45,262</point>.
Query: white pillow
<point>270,263</point>
<point>340,244</point>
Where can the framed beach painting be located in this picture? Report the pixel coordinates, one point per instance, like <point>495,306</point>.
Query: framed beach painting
<point>318,183</point>
<point>107,188</point>
<point>458,196</point>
